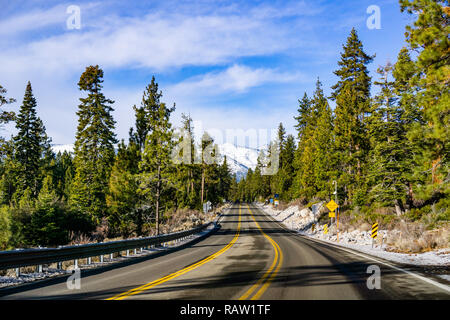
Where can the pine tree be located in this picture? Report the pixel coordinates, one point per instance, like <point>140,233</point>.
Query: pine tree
<point>352,95</point>
<point>403,72</point>
<point>94,146</point>
<point>429,37</point>
<point>322,140</point>
<point>187,170</point>
<point>304,111</point>
<point>149,106</point>
<point>304,118</point>
<point>389,146</point>
<point>156,165</point>
<point>30,145</point>
<point>209,156</point>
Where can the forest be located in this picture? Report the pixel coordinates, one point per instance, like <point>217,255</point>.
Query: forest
<point>385,145</point>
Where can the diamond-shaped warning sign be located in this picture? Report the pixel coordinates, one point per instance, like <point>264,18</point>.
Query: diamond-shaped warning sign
<point>332,205</point>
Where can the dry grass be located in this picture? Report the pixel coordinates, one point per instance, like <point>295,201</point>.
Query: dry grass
<point>412,237</point>
<point>79,238</point>
<point>402,236</point>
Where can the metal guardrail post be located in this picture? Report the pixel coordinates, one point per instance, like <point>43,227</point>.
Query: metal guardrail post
<point>75,265</point>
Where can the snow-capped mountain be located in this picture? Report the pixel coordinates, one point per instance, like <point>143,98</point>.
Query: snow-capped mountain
<point>63,147</point>
<point>239,159</point>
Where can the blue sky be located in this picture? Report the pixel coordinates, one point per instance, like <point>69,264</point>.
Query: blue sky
<point>230,64</point>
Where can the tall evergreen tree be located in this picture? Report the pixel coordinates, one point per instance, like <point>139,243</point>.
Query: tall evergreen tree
<point>94,146</point>
<point>352,95</point>
<point>429,37</point>
<point>30,144</point>
<point>387,178</point>
<point>156,165</point>
<point>403,71</point>
<point>187,170</point>
<point>322,141</point>
<point>209,157</point>
<point>303,120</point>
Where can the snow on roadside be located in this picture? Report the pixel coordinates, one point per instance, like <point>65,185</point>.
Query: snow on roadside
<point>6,281</point>
<point>301,221</point>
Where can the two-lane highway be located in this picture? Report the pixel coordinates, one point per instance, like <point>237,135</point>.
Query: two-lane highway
<point>250,257</point>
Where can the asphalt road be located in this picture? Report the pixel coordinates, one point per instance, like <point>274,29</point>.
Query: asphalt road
<point>251,256</point>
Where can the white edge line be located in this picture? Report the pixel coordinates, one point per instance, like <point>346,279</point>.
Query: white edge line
<point>435,283</point>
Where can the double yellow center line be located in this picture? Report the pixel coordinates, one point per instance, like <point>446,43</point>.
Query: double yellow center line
<point>253,293</point>
<point>262,284</point>
<point>180,272</point>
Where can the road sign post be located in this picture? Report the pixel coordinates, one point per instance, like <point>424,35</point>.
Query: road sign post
<point>337,212</point>
<point>374,233</point>
<point>332,206</point>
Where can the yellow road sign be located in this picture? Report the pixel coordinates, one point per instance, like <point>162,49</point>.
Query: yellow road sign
<point>332,205</point>
<point>325,229</point>
<point>374,230</point>
<point>332,214</point>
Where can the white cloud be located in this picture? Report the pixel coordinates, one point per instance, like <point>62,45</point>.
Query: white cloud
<point>237,78</point>
<point>33,20</point>
<point>161,41</point>
<point>153,41</point>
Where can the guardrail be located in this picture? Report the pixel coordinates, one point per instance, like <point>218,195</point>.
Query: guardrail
<point>38,257</point>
